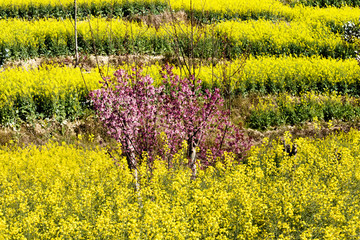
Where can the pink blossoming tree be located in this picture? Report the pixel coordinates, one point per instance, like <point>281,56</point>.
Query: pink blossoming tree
<point>135,112</point>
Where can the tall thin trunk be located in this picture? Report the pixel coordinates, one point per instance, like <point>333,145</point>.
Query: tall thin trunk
<point>192,158</point>
<point>134,167</point>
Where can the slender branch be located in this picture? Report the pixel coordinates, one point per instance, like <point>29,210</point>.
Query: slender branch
<point>94,48</point>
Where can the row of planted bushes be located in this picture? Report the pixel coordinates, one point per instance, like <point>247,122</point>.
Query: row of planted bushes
<point>267,113</point>
<point>215,10</point>
<point>62,91</point>
<point>50,37</point>
<point>50,91</point>
<point>66,191</point>
<point>65,9</point>
<point>298,38</point>
<point>212,11</point>
<point>268,75</point>
<point>286,109</point>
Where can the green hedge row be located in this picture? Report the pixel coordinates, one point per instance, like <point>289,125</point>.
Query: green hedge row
<point>64,44</point>
<point>27,108</point>
<point>301,49</point>
<point>104,9</point>
<point>292,84</point>
<point>301,112</point>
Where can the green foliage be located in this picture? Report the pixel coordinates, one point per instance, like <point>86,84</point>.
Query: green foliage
<point>85,9</point>
<point>27,108</point>
<point>290,110</point>
<point>230,39</point>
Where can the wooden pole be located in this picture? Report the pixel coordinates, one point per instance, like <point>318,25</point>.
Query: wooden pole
<point>76,42</point>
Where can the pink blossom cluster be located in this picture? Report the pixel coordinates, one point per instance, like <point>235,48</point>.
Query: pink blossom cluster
<point>135,113</point>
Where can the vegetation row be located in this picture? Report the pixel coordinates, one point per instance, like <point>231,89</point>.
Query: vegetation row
<point>286,109</point>
<point>212,11</point>
<point>52,90</point>
<point>65,9</point>
<point>24,39</point>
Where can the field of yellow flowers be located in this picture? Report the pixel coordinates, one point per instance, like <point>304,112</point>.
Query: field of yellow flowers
<point>61,191</point>
<point>281,64</point>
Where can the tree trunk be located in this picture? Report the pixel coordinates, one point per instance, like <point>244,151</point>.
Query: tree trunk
<point>133,167</point>
<point>192,158</point>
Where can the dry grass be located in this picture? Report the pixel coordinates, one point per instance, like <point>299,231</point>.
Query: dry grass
<point>292,2</point>
<point>87,62</point>
<point>41,131</point>
<point>159,20</point>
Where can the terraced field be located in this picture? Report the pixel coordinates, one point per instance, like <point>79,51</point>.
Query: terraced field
<point>289,76</point>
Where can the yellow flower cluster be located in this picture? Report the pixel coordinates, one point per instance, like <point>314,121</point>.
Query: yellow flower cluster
<point>33,33</point>
<point>271,9</point>
<point>232,7</point>
<point>295,37</point>
<point>285,100</point>
<point>329,15</point>
<point>61,191</point>
<point>277,74</point>
<point>49,81</point>
<point>319,175</point>
<point>265,104</point>
<point>271,74</point>
<point>285,108</point>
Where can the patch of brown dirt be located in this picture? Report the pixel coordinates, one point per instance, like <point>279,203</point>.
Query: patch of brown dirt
<point>87,62</point>
<point>159,20</point>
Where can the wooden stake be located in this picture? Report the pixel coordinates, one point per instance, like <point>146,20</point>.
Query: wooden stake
<point>76,42</point>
